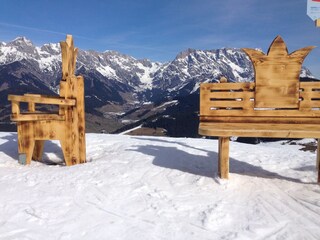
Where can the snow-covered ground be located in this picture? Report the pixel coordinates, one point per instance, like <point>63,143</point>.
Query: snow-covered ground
<point>160,188</point>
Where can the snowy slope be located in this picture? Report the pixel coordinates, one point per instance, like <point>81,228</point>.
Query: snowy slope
<point>160,188</point>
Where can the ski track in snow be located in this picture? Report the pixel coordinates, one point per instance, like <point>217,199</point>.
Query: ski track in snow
<point>159,188</point>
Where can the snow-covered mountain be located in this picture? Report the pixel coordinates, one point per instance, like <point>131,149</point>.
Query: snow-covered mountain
<point>115,83</point>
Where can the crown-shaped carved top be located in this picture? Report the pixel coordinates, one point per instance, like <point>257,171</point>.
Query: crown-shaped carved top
<point>69,55</point>
<point>277,75</point>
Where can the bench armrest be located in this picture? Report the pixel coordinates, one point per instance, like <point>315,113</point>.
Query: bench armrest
<point>33,98</point>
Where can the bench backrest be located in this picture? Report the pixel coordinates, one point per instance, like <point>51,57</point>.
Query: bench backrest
<point>276,92</point>
<point>277,75</point>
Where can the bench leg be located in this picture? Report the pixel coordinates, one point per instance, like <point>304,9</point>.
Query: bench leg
<point>223,163</point>
<point>318,160</point>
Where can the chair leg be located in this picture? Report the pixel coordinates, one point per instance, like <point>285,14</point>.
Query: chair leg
<point>66,153</point>
<point>38,150</point>
<point>25,142</point>
<point>223,164</point>
<point>30,148</point>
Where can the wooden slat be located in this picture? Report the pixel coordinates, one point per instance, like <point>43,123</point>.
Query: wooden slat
<point>310,95</point>
<point>226,104</point>
<point>266,120</point>
<point>312,85</point>
<point>260,130</point>
<point>36,117</point>
<point>227,86</point>
<point>309,104</point>
<point>206,111</point>
<point>228,95</point>
<point>42,100</point>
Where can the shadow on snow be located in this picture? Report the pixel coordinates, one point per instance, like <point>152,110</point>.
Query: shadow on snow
<point>10,148</point>
<point>202,165</point>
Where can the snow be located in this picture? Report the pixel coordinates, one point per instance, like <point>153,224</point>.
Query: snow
<point>169,103</point>
<point>46,60</point>
<point>9,54</point>
<point>107,71</point>
<point>160,188</point>
<point>146,77</point>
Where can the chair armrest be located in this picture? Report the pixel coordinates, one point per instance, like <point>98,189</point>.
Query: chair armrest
<point>33,98</point>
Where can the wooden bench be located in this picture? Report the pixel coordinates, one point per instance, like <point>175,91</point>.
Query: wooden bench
<point>66,125</point>
<point>276,105</point>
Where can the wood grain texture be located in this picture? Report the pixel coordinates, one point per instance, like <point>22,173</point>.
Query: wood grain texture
<point>67,125</point>
<point>223,159</point>
<point>270,130</point>
<point>277,75</point>
<point>276,105</point>
<point>42,100</point>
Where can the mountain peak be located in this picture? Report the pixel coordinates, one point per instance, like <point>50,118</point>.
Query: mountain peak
<point>185,53</point>
<point>21,41</point>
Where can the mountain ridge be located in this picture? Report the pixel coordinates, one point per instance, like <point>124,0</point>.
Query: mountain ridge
<point>119,88</point>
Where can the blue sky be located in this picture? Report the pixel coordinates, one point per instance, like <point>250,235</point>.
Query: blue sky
<point>160,29</point>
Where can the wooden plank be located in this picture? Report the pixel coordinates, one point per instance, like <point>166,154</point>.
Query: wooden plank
<point>260,130</point>
<point>310,95</point>
<point>228,95</point>
<point>277,75</point>
<point>207,111</point>
<point>266,120</point>
<point>223,159</point>
<point>42,100</point>
<point>277,97</point>
<point>49,130</point>
<point>305,85</point>
<point>73,142</point>
<point>309,104</point>
<point>36,117</point>
<point>227,86</point>
<point>81,119</point>
<point>228,104</point>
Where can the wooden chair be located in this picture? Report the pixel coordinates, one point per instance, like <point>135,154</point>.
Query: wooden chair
<point>276,105</point>
<point>67,125</point>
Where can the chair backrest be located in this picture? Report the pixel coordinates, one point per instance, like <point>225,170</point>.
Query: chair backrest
<point>71,86</point>
<point>277,75</point>
<point>68,56</point>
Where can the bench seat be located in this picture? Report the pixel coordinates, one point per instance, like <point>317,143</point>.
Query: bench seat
<point>267,130</point>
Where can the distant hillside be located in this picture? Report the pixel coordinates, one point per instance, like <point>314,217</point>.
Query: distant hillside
<point>120,91</point>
